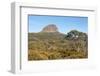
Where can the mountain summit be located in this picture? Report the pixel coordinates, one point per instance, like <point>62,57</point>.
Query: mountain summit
<point>50,28</point>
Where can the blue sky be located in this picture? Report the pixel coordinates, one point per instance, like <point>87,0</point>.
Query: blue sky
<point>64,23</point>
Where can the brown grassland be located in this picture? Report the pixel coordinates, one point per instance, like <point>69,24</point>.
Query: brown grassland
<point>51,46</point>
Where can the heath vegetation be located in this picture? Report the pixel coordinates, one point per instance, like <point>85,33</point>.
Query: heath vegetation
<point>55,45</point>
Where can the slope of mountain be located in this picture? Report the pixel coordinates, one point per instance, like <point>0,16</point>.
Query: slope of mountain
<point>46,36</point>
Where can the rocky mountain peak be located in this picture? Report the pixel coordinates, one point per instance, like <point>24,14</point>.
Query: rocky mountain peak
<point>50,28</point>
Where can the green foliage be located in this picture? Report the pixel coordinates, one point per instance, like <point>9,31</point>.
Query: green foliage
<point>76,35</point>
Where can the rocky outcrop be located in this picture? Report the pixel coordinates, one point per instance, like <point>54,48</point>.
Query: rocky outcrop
<point>50,28</point>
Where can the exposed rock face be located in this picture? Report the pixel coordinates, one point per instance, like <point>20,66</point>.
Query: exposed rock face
<point>50,28</point>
